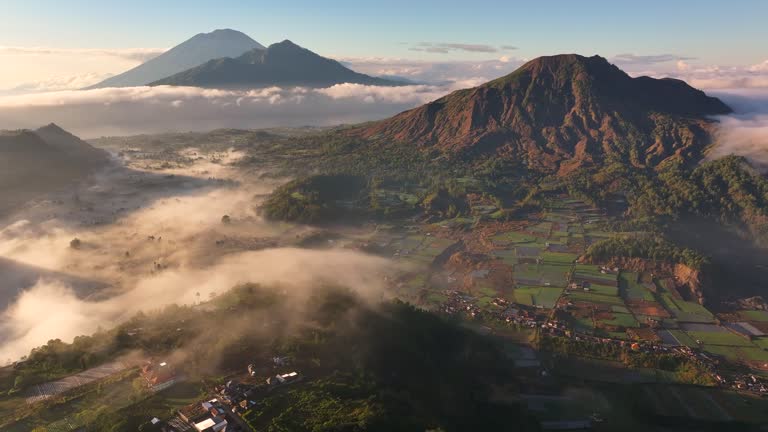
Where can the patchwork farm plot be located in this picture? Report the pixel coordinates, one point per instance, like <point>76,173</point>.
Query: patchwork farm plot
<point>531,265</point>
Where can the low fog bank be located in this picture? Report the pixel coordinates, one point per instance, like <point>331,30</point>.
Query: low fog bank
<point>745,132</point>
<point>136,110</point>
<point>173,249</point>
<point>50,309</point>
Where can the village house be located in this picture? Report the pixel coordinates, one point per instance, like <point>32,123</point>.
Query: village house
<point>159,376</point>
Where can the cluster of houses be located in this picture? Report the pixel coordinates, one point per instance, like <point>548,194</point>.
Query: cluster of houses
<point>208,416</point>
<point>231,400</point>
<point>745,382</point>
<point>459,303</point>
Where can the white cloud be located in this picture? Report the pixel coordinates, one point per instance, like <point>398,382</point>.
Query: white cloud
<point>760,67</point>
<point>703,76</point>
<point>682,66</point>
<point>647,59</point>
<point>744,133</point>
<point>131,110</point>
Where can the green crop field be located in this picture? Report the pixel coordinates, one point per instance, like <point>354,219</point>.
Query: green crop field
<point>436,297</point>
<point>719,338</point>
<point>762,342</point>
<point>524,298</point>
<point>755,315</point>
<point>581,324</point>
<point>683,338</point>
<point>484,302</point>
<point>754,354</point>
<point>633,289</point>
<point>605,290</point>
<point>595,298</point>
<point>508,256</point>
<point>728,352</point>
<point>559,258</point>
<point>623,320</point>
<point>593,272</point>
<point>515,237</point>
<point>545,297</point>
<point>669,303</point>
<point>542,227</point>
<point>554,275</point>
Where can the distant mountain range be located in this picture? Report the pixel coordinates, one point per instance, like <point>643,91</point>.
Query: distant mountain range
<point>231,59</point>
<point>38,161</point>
<point>558,113</point>
<point>193,52</point>
<point>282,64</point>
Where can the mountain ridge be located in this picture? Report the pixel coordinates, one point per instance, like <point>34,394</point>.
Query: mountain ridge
<point>193,52</point>
<point>558,113</point>
<point>281,64</point>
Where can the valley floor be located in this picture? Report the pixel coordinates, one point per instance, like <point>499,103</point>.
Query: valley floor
<point>519,282</point>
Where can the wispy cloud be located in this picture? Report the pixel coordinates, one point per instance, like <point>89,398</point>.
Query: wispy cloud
<point>760,67</point>
<point>52,69</point>
<point>435,71</point>
<point>59,83</point>
<point>135,54</point>
<point>648,59</point>
<point>447,47</point>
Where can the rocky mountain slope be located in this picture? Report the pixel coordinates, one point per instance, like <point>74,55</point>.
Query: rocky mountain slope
<point>282,64</point>
<point>558,113</point>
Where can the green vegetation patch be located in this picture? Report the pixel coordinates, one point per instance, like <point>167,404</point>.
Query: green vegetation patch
<point>541,227</point>
<point>686,311</point>
<point>559,258</point>
<point>755,315</point>
<point>605,290</point>
<point>595,298</point>
<point>683,338</point>
<point>619,309</point>
<point>719,338</point>
<point>542,296</point>
<point>726,352</point>
<point>762,342</point>
<point>644,246</point>
<point>754,354</point>
<point>436,297</point>
<point>633,289</point>
<point>592,273</point>
<point>544,274</point>
<point>508,256</point>
<point>623,320</point>
<point>487,291</point>
<point>515,237</point>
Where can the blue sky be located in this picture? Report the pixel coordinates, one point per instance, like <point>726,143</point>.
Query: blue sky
<point>714,32</point>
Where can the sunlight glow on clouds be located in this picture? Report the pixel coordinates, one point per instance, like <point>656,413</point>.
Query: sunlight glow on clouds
<point>49,69</point>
